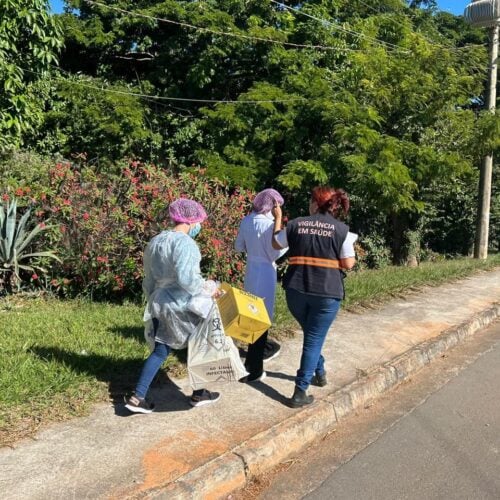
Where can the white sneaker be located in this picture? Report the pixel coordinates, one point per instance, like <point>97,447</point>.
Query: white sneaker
<point>260,378</point>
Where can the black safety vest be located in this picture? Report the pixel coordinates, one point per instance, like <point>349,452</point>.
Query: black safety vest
<point>313,256</point>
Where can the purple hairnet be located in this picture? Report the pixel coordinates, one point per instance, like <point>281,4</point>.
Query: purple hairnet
<point>188,211</point>
<point>264,201</point>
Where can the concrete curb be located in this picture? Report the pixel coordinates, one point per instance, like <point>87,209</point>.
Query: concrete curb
<point>230,471</point>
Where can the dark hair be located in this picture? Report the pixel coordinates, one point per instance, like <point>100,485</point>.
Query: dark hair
<point>331,200</point>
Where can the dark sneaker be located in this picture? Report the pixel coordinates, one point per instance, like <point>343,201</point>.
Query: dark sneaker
<point>300,398</point>
<point>319,380</point>
<point>253,378</point>
<point>139,405</point>
<point>203,397</point>
<point>271,350</point>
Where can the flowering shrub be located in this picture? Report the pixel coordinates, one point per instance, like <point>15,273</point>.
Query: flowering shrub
<point>103,222</point>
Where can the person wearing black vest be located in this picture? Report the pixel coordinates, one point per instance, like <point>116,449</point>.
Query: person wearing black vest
<point>320,248</point>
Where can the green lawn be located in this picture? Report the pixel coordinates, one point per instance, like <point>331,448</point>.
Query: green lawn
<point>57,358</point>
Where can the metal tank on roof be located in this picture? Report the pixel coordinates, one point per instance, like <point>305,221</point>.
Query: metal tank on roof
<point>483,13</point>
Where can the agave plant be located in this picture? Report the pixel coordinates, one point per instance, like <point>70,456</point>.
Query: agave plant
<point>15,240</point>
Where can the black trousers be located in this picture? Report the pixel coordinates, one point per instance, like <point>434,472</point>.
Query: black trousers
<point>254,362</point>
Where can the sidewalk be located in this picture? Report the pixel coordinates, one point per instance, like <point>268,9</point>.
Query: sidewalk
<point>207,452</point>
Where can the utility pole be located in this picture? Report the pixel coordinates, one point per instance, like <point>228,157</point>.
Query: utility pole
<point>486,173</point>
<point>486,13</point>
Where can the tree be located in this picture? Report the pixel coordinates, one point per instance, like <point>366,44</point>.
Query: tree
<point>363,122</point>
<point>105,126</point>
<point>30,39</point>
<point>377,108</point>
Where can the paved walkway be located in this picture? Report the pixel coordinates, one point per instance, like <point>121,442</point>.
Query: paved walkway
<point>184,452</point>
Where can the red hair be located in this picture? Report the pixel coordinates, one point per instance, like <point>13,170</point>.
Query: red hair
<point>330,200</point>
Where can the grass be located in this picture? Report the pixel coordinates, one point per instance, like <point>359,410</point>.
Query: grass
<point>366,287</point>
<point>57,358</point>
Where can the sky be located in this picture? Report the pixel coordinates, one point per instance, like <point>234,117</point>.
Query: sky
<point>455,6</point>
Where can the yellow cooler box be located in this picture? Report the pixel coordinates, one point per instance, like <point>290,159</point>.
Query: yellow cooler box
<point>244,315</point>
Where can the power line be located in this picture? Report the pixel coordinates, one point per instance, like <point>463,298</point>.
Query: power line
<point>268,40</point>
<point>340,28</point>
<point>177,99</point>
<point>223,33</point>
<point>158,99</point>
<point>185,99</point>
<point>432,42</point>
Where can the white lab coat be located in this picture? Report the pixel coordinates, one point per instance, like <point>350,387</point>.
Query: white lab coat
<point>255,238</point>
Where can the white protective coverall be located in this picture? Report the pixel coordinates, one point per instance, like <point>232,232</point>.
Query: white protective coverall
<point>255,238</point>
<point>171,277</point>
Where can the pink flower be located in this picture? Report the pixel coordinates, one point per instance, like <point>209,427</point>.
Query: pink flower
<point>86,216</point>
<point>34,276</point>
<point>5,197</point>
<point>42,225</point>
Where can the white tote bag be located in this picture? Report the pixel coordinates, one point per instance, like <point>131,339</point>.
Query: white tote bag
<point>212,356</point>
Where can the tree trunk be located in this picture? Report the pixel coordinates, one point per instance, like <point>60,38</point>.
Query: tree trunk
<point>399,228</point>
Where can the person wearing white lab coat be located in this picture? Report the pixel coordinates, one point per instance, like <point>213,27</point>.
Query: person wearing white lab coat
<point>255,239</point>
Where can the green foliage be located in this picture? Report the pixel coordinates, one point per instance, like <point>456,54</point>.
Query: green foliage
<point>23,168</point>
<point>105,126</point>
<point>104,220</point>
<point>489,132</point>
<point>388,108</point>
<point>296,172</point>
<point>16,244</point>
<point>30,38</point>
<point>372,253</point>
<point>449,222</point>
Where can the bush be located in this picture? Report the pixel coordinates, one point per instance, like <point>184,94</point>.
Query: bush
<point>372,253</point>
<point>103,222</point>
<point>23,168</point>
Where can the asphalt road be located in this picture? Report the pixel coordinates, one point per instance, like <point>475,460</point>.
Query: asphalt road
<point>435,437</point>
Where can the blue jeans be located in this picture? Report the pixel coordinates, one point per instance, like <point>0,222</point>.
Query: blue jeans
<point>315,315</point>
<point>150,368</point>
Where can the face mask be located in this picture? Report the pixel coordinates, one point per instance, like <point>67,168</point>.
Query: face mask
<point>194,230</point>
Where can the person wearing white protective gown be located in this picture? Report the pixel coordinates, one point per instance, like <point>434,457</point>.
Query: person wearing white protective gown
<point>254,238</point>
<point>171,277</point>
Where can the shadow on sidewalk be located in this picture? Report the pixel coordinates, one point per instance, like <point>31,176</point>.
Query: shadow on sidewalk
<point>120,375</point>
<point>283,376</point>
<point>269,391</point>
